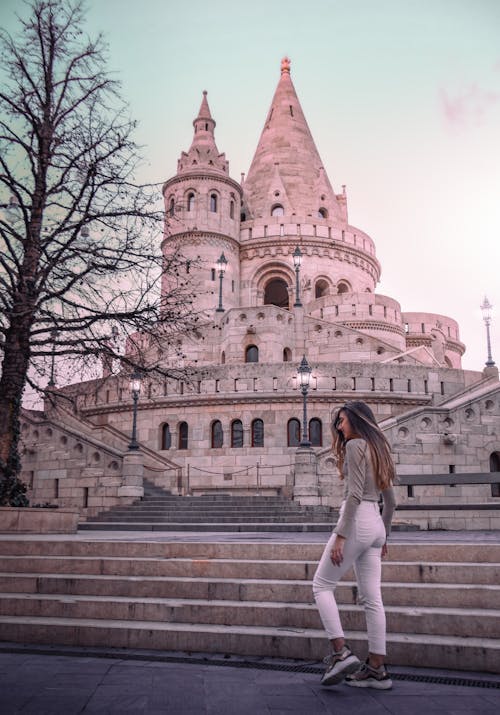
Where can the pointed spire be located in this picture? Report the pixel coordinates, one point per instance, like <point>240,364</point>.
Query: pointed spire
<point>286,141</point>
<point>204,112</point>
<point>203,153</point>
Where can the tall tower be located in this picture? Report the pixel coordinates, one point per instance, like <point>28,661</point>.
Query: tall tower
<point>202,208</point>
<point>289,201</point>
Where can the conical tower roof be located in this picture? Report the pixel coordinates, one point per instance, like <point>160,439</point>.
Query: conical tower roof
<point>203,153</point>
<point>287,168</point>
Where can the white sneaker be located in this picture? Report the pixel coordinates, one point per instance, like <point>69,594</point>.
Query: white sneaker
<point>338,665</point>
<point>368,677</point>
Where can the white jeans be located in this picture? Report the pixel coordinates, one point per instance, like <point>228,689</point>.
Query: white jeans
<point>362,550</point>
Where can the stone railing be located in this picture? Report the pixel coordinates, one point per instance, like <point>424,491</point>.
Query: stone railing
<point>449,501</point>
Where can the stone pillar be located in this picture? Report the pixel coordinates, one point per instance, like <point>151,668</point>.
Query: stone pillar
<point>132,473</point>
<point>306,485</point>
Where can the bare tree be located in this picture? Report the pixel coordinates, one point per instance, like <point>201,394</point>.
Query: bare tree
<point>80,254</point>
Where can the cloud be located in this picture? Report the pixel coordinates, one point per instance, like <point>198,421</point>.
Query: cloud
<point>469,107</point>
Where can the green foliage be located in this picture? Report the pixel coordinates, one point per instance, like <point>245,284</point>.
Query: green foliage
<point>13,492</point>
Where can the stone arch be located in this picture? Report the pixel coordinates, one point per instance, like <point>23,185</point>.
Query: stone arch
<point>322,287</point>
<point>216,435</point>
<point>190,199</point>
<point>343,286</point>
<point>214,200</point>
<point>276,293</point>
<point>165,437</point>
<point>283,278</point>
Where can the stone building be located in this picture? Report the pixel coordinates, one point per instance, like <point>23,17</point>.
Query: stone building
<point>235,425</point>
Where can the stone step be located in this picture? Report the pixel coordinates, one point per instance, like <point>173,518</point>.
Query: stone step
<point>149,509</point>
<point>475,623</point>
<point>218,499</point>
<point>478,654</point>
<point>213,526</point>
<point>158,511</point>
<point>133,518</point>
<point>230,502</point>
<point>246,589</point>
<point>414,551</point>
<point>410,572</point>
<point>247,598</point>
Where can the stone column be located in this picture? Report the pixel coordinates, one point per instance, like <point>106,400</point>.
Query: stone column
<point>132,474</point>
<point>306,485</point>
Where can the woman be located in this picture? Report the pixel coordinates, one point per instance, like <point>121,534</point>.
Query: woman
<point>358,540</point>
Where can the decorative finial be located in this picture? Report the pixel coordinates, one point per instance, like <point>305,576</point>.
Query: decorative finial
<point>205,92</point>
<point>285,65</point>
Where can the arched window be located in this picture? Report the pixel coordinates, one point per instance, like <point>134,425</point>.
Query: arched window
<point>217,435</point>
<point>183,435</point>
<point>213,203</point>
<point>252,354</point>
<point>231,209</point>
<point>316,432</point>
<point>277,210</point>
<point>495,467</point>
<point>166,437</point>
<point>321,288</point>
<point>287,355</point>
<point>223,357</point>
<point>276,293</point>
<point>236,433</point>
<point>322,213</point>
<point>171,208</point>
<point>190,201</point>
<point>293,433</point>
<point>257,433</point>
<point>343,287</point>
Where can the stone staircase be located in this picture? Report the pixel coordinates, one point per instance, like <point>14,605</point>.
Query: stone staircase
<point>160,511</point>
<point>247,598</point>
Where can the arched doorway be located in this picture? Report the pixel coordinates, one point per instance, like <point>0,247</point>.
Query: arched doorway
<point>276,293</point>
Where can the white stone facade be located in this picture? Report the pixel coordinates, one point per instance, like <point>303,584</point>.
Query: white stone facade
<point>244,359</point>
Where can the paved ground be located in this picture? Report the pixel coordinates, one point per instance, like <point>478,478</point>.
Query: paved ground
<point>67,682</point>
<point>65,685</point>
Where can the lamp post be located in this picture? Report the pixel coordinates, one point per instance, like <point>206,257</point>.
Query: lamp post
<point>304,371</point>
<point>486,310</point>
<point>297,259</point>
<point>221,267</point>
<point>135,389</point>
<point>53,337</point>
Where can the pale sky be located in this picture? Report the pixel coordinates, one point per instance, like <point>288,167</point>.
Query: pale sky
<point>402,98</point>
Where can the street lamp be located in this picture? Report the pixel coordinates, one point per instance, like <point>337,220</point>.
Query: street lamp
<point>135,389</point>
<point>304,371</point>
<point>486,309</point>
<point>297,259</point>
<point>221,266</point>
<point>53,337</point>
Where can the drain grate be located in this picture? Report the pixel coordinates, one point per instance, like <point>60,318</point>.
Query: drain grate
<point>230,661</point>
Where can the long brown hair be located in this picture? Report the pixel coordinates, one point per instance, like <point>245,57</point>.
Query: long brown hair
<point>365,425</point>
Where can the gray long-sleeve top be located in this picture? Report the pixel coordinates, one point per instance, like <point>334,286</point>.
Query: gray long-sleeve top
<point>360,485</point>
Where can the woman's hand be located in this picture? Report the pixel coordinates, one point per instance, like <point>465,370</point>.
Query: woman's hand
<point>337,555</point>
<point>384,550</point>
